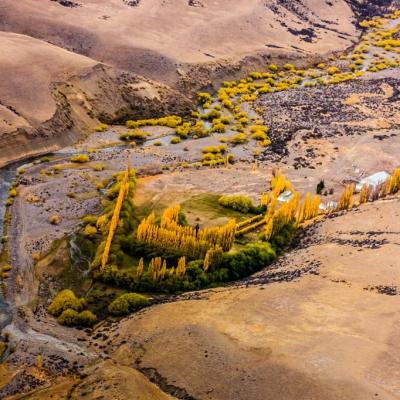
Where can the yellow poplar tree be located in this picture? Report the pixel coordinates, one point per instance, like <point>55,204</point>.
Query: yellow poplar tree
<point>139,270</point>
<point>346,199</point>
<point>124,187</point>
<point>364,194</point>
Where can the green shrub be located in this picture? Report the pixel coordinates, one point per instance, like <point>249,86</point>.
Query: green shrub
<point>237,202</point>
<point>44,160</point>
<point>101,128</point>
<point>127,303</point>
<point>90,230</point>
<point>86,318</point>
<point>183,130</point>
<point>68,317</point>
<point>214,149</point>
<point>6,268</point>
<point>240,138</point>
<point>65,300</point>
<point>204,97</point>
<point>98,167</point>
<point>89,220</point>
<point>175,140</point>
<point>213,114</point>
<point>135,135</point>
<point>71,317</point>
<point>80,158</point>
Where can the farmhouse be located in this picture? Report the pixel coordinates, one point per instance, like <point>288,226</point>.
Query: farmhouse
<point>373,181</point>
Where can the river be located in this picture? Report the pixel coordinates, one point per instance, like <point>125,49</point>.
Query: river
<point>7,175</point>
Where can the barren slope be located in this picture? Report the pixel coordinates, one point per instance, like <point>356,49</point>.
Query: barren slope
<point>50,96</point>
<point>156,37</point>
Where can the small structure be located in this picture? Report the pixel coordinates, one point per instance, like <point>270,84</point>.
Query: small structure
<point>329,206</point>
<point>373,181</point>
<point>285,196</point>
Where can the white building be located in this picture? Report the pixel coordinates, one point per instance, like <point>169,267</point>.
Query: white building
<point>285,196</point>
<point>373,181</point>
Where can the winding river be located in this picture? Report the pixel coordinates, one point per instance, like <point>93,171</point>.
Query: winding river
<point>7,175</point>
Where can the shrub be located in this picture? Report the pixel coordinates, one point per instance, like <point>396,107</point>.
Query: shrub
<point>68,317</point>
<point>175,140</point>
<point>54,219</point>
<point>98,167</point>
<point>259,135</point>
<point>237,202</point>
<point>136,135</point>
<point>71,317</point>
<point>12,192</point>
<point>6,268</point>
<point>289,67</point>
<point>332,70</point>
<point>157,144</point>
<point>199,130</point>
<point>86,318</point>
<point>65,300</point>
<point>89,219</point>
<point>214,149</point>
<point>240,138</point>
<point>204,97</point>
<point>172,121</point>
<point>101,128</point>
<point>273,67</point>
<point>90,230</point>
<point>218,126</point>
<point>44,160</point>
<point>80,158</point>
<point>320,186</point>
<point>127,303</point>
<point>213,114</point>
<point>183,130</point>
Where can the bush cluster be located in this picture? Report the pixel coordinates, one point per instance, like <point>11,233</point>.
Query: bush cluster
<point>80,158</point>
<point>69,310</point>
<point>135,135</point>
<point>126,303</point>
<point>237,202</point>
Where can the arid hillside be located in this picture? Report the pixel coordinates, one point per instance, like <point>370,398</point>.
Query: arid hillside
<point>154,37</point>
<point>50,96</point>
<point>104,48</point>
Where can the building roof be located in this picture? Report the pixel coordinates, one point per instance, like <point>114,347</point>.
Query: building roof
<point>285,196</point>
<point>373,180</point>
